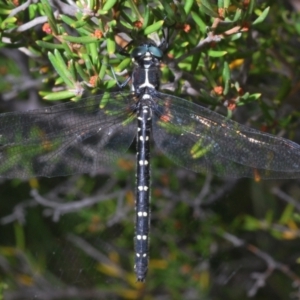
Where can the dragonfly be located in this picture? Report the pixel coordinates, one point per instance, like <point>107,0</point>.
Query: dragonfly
<point>81,137</point>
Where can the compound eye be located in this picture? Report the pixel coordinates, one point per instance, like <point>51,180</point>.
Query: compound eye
<point>139,51</point>
<point>155,51</point>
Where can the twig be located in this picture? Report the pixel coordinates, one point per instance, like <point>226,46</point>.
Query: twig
<point>62,208</point>
<point>285,197</point>
<point>272,264</point>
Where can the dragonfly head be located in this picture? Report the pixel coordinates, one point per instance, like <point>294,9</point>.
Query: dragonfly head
<point>147,55</point>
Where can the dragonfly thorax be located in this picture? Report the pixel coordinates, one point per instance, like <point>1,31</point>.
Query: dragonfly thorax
<point>146,74</point>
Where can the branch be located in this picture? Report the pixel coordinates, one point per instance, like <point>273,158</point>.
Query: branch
<point>272,264</point>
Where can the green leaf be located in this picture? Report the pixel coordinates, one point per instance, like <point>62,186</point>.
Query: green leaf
<point>205,7</point>
<point>126,25</point>
<point>135,13</point>
<point>60,95</point>
<point>92,49</point>
<point>208,76</point>
<point>81,72</point>
<point>68,51</point>
<point>202,25</point>
<point>72,68</point>
<point>269,217</point>
<point>19,236</point>
<point>238,15</point>
<point>61,67</point>
<point>146,16</point>
<point>181,15</point>
<point>111,44</point>
<point>71,22</point>
<point>287,214</point>
<point>49,13</point>
<point>92,4</point>
<point>8,21</point>
<point>226,77</point>
<point>235,36</point>
<point>108,5</point>
<point>5,10</point>
<point>229,114</point>
<point>79,39</point>
<point>262,16</point>
<point>103,68</point>
<point>251,6</point>
<point>123,64</point>
<point>226,4</point>
<point>251,224</point>
<point>88,63</point>
<point>188,6</point>
<point>47,45</point>
<point>248,98</point>
<point>218,53</point>
<point>195,61</point>
<point>154,27</point>
<point>109,84</point>
<point>168,10</point>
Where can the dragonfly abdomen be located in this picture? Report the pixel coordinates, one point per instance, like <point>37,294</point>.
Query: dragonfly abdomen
<point>142,191</point>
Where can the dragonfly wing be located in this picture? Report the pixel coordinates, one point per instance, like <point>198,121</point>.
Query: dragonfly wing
<point>68,138</point>
<point>202,140</point>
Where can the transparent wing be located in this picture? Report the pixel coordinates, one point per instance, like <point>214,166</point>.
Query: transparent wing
<point>69,138</point>
<point>202,140</point>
